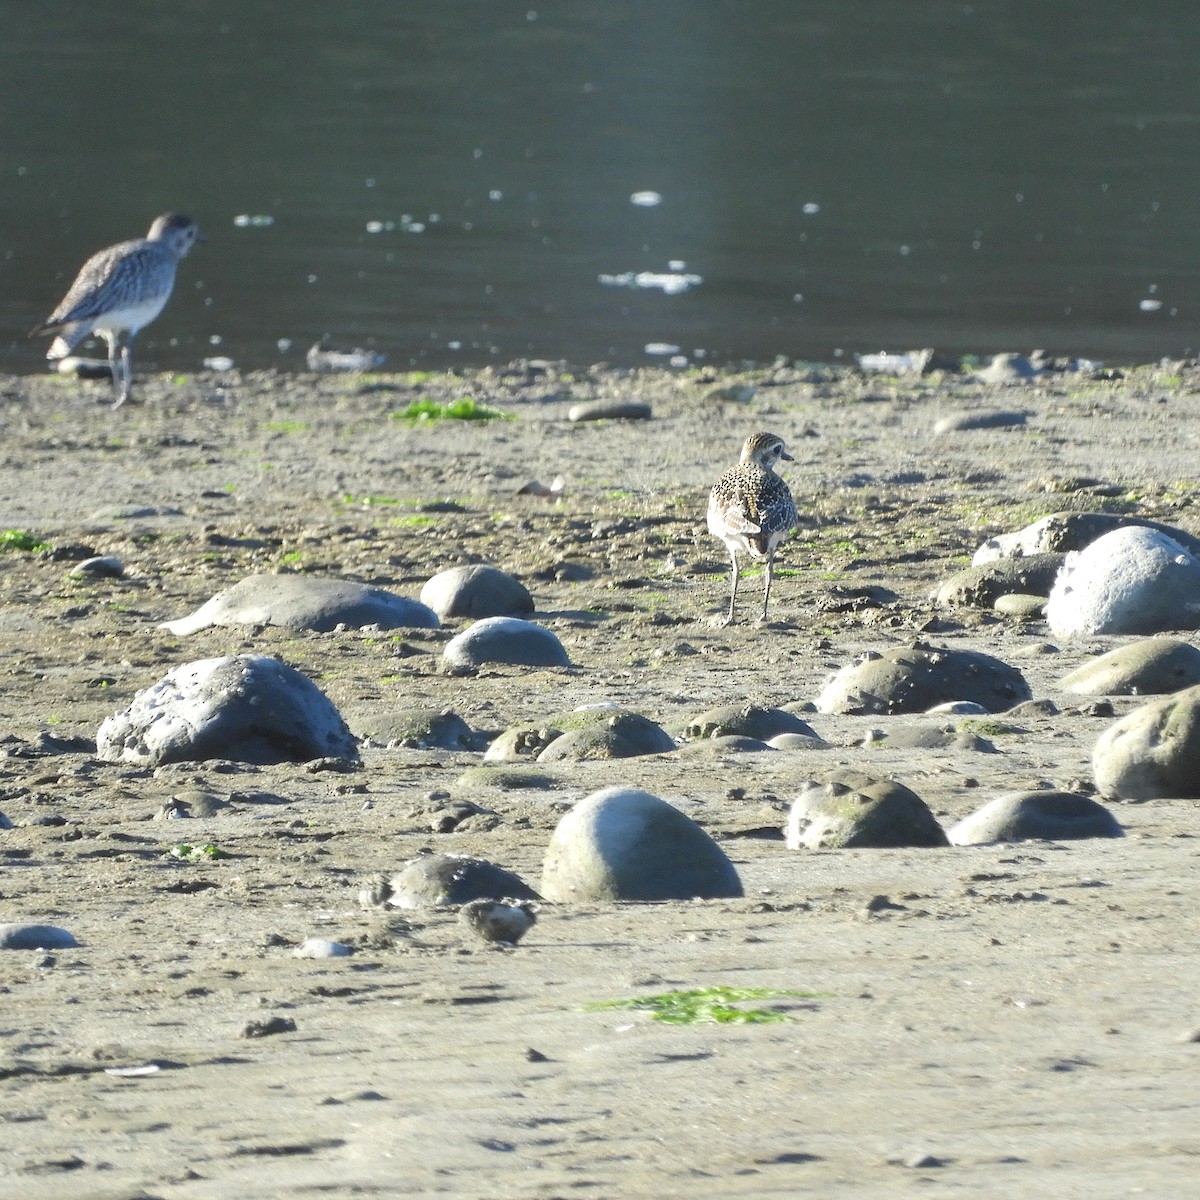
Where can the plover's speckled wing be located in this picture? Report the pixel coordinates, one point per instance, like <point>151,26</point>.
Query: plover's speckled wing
<point>121,277</point>
<point>772,506</point>
<point>752,505</point>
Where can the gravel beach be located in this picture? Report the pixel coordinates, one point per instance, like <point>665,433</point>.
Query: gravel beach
<point>996,1020</point>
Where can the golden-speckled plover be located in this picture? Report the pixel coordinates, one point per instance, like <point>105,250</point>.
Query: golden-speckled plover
<point>118,291</point>
<point>751,509</point>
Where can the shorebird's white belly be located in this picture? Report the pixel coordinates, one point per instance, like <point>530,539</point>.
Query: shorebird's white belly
<point>132,317</point>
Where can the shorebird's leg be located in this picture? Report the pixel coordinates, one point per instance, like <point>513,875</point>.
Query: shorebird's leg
<point>113,342</point>
<point>126,385</point>
<point>733,588</point>
<point>767,573</point>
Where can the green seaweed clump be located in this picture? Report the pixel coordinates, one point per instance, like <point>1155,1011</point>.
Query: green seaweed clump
<point>466,409</point>
<point>18,539</point>
<point>711,1004</point>
<point>206,853</point>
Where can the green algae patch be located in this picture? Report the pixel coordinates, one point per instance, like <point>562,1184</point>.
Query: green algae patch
<point>711,1005</point>
<point>17,540</point>
<point>466,409</point>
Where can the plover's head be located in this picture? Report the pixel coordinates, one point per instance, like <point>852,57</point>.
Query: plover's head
<point>765,449</point>
<point>177,230</point>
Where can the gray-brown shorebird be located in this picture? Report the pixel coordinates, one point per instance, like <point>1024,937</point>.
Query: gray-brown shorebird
<point>119,291</point>
<point>751,509</point>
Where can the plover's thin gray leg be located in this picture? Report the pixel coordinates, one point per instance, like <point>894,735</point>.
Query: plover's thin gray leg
<point>732,589</point>
<point>113,342</point>
<point>126,386</point>
<point>770,570</point>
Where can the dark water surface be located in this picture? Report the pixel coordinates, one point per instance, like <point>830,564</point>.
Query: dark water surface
<point>448,181</point>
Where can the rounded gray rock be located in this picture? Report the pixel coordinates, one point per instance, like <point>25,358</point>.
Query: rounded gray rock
<point>848,809</point>
<point>476,591</point>
<point>521,744</point>
<point>988,418</point>
<point>588,745</point>
<point>443,880</point>
<point>102,566</point>
<point>798,741</point>
<point>1133,580</point>
<point>1008,368</point>
<point>603,732</point>
<point>981,586</point>
<point>725,743</point>
<point>305,602</point>
<point>609,410</point>
<point>1152,752</point>
<point>498,922</point>
<point>1150,667</point>
<point>246,707</point>
<point>318,947</point>
<point>912,679</point>
<point>1044,816</point>
<point>508,778</point>
<point>625,844</point>
<point>420,729</point>
<point>926,736</point>
<point>1063,531</point>
<point>746,720</point>
<point>21,936</point>
<point>1020,606</point>
<point>595,732</point>
<point>505,640</point>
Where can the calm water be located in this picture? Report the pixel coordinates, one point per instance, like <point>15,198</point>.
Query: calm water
<point>449,180</point>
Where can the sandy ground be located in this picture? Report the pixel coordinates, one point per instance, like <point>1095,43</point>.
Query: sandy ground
<point>1015,1024</point>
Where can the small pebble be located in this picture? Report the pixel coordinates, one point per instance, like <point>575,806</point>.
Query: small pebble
<point>315,947</point>
<point>85,368</point>
<point>104,566</point>
<point>269,1027</point>
<point>498,920</point>
<point>919,1161</point>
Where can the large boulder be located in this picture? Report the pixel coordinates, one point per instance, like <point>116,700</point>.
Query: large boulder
<point>597,731</point>
<point>22,935</point>
<point>305,602</point>
<point>505,640</point>
<point>444,881</point>
<point>1153,751</point>
<point>1148,667</point>
<point>1063,531</point>
<point>476,591</point>
<point>1133,580</point>
<point>915,678</point>
<point>1026,816</point>
<point>848,809</point>
<point>746,720</point>
<point>417,728</point>
<point>623,844</point>
<point>245,707</point>
<point>982,585</point>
